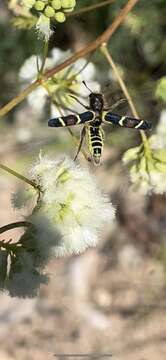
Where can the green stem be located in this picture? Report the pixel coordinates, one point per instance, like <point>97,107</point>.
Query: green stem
<point>89,8</point>
<point>19,176</point>
<point>14,225</point>
<point>45,54</point>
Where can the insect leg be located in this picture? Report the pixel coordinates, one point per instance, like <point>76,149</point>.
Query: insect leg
<point>119,102</point>
<point>103,133</point>
<point>83,133</point>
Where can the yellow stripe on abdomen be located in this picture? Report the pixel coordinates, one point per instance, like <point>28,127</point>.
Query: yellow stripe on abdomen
<point>95,143</point>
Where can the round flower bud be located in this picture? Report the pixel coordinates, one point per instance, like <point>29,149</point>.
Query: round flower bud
<point>68,3</point>
<point>60,17</point>
<point>39,5</point>
<point>68,10</point>
<point>49,11</point>
<point>28,3</point>
<point>56,4</point>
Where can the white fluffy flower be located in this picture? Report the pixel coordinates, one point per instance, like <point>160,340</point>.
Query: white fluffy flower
<point>61,84</point>
<point>43,27</point>
<point>73,204</point>
<point>147,171</point>
<point>148,182</point>
<point>158,140</point>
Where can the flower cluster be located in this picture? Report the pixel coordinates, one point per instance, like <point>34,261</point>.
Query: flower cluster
<point>73,204</point>
<point>55,9</point>
<point>61,85</point>
<point>41,13</point>
<point>70,216</point>
<point>158,140</point>
<point>147,168</point>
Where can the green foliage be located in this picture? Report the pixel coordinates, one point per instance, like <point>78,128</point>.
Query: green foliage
<point>22,22</point>
<point>161,89</point>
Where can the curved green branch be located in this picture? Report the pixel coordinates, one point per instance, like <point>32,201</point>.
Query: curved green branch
<point>19,176</point>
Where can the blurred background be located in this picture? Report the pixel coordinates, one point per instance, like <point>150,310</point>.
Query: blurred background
<point>110,299</point>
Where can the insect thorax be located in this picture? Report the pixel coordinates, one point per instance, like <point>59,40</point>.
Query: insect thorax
<point>96,102</point>
<point>97,121</point>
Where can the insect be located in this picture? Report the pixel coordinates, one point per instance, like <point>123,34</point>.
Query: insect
<point>92,121</point>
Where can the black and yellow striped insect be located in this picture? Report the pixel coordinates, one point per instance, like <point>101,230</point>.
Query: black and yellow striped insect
<point>93,119</point>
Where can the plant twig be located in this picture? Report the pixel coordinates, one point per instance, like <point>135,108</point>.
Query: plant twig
<point>108,56</point>
<point>89,8</point>
<point>19,176</point>
<point>104,37</point>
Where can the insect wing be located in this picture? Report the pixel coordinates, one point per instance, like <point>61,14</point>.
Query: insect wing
<point>126,121</point>
<point>72,119</point>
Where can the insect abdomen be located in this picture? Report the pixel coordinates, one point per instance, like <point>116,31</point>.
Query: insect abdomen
<point>95,141</point>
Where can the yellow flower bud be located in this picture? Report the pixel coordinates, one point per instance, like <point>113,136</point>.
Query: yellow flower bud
<point>56,4</point>
<point>49,11</point>
<point>68,10</point>
<point>68,3</point>
<point>39,5</point>
<point>28,3</point>
<point>60,17</point>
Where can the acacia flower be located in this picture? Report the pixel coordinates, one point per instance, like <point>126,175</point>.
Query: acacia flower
<point>72,203</point>
<point>147,168</point>
<point>41,13</point>
<point>69,217</point>
<point>158,140</point>
<point>59,86</point>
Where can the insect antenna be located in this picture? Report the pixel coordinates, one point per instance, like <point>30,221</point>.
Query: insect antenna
<point>87,86</point>
<point>37,64</point>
